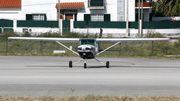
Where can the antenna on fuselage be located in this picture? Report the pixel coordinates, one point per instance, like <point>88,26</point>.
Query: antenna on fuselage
<point>100,36</point>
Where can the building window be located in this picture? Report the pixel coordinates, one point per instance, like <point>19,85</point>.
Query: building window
<point>95,3</point>
<point>141,0</point>
<point>36,17</point>
<point>97,17</point>
<point>39,17</point>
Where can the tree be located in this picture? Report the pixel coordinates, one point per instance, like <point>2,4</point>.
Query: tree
<point>177,11</point>
<point>155,9</point>
<point>166,7</point>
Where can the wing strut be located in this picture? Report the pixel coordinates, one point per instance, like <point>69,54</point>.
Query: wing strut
<point>108,48</point>
<point>67,48</point>
<point>100,61</point>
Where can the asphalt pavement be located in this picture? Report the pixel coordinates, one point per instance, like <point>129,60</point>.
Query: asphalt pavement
<point>51,76</point>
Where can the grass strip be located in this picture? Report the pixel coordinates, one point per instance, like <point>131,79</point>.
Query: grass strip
<point>160,49</point>
<point>92,98</point>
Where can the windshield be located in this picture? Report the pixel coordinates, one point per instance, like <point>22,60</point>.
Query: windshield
<point>87,41</point>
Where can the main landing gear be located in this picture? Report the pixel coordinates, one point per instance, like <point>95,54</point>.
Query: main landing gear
<point>107,64</point>
<point>70,64</point>
<point>85,64</point>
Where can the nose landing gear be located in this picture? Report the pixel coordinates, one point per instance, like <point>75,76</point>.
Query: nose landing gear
<point>85,65</point>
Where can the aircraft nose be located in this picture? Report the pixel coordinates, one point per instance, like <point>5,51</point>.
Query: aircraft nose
<point>84,48</point>
<point>87,48</point>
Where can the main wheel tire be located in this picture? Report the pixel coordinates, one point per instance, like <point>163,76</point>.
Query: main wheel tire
<point>107,64</point>
<point>70,64</point>
<point>85,65</point>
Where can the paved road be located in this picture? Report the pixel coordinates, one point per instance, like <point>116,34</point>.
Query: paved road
<point>39,76</point>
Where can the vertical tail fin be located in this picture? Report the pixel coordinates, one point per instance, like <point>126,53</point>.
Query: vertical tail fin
<point>100,44</point>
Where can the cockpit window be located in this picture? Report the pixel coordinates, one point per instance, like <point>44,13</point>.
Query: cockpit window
<point>87,41</point>
<point>90,42</point>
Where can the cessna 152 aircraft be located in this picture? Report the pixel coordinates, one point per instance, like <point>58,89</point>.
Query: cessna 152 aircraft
<point>88,48</point>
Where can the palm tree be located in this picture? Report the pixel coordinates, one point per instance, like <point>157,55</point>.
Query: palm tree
<point>168,7</point>
<point>177,10</point>
<point>157,3</point>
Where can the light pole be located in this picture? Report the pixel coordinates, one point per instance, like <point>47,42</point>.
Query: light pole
<point>142,20</point>
<point>59,17</point>
<point>139,19</point>
<point>127,24</point>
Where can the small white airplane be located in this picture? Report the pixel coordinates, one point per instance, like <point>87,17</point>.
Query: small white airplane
<point>88,48</point>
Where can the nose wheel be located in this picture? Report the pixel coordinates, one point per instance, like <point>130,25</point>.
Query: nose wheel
<point>85,65</point>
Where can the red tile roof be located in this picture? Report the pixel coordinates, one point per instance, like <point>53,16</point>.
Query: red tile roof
<point>144,5</point>
<point>10,3</point>
<point>70,4</point>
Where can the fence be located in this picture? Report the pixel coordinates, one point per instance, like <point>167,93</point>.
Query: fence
<point>97,24</point>
<point>161,25</point>
<point>3,45</point>
<point>21,47</point>
<point>6,25</point>
<point>80,24</point>
<point>51,24</point>
<point>146,25</point>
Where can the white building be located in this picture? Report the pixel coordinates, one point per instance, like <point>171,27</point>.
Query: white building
<point>47,9</point>
<point>76,10</point>
<point>10,9</point>
<point>21,9</point>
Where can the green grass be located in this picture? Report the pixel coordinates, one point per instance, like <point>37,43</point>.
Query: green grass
<point>42,48</point>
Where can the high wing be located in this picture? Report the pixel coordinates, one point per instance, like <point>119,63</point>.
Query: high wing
<point>114,40</point>
<point>63,40</point>
<point>100,40</point>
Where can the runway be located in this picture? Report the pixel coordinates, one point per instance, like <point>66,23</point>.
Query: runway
<point>51,76</point>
